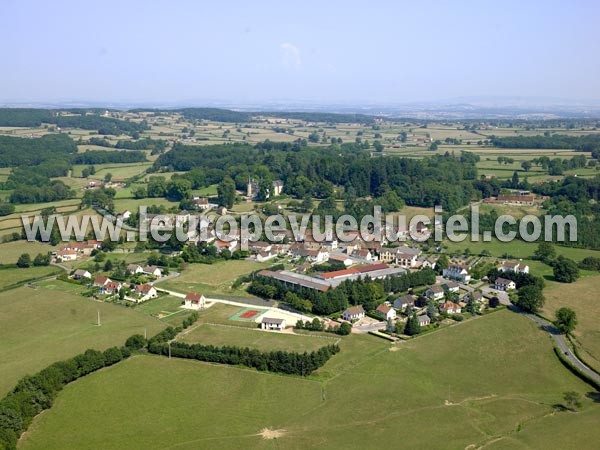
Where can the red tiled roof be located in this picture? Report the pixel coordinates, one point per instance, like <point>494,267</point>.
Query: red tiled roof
<point>193,297</point>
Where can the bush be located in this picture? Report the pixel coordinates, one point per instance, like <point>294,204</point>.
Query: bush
<point>136,342</point>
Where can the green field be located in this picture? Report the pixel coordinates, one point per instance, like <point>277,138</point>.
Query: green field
<point>9,277</point>
<point>582,297</point>
<point>10,251</point>
<point>44,324</point>
<point>516,249</point>
<point>213,279</point>
<point>489,380</point>
<point>254,338</point>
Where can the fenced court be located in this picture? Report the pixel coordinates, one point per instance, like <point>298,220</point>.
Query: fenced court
<point>248,314</point>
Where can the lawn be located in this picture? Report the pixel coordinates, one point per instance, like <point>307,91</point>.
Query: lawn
<point>213,279</point>
<point>469,385</point>
<point>582,297</point>
<point>47,323</point>
<point>9,277</point>
<point>253,338</point>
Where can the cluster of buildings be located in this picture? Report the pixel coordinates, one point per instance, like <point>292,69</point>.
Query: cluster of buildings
<point>326,280</point>
<point>139,292</point>
<point>73,250</point>
<point>517,198</point>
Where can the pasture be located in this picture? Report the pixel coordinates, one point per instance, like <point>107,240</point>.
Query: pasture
<point>46,323</point>
<point>12,277</point>
<point>10,251</point>
<point>582,297</point>
<point>515,248</point>
<point>492,380</point>
<point>253,338</point>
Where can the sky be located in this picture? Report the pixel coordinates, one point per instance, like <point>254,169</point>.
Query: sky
<point>317,52</point>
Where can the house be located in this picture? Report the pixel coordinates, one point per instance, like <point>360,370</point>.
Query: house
<point>66,255</point>
<point>426,263</point>
<point>201,203</point>
<point>265,255</point>
<point>435,292</point>
<point>194,301</point>
<point>152,270</point>
<point>363,254</point>
<point>80,274</point>
<point>270,323</point>
<point>223,245</point>
<point>424,320</point>
<point>476,295</point>
<point>353,313</point>
<point>450,286</point>
<point>277,188</point>
<point>340,259</point>
<point>124,215</point>
<point>314,256</point>
<point>100,281</point>
<point>404,302</point>
<point>403,256</point>
<point>134,268</point>
<point>502,284</point>
<point>112,287</point>
<point>450,308</point>
<point>386,312</point>
<point>457,272</point>
<point>145,292</point>
<point>513,266</point>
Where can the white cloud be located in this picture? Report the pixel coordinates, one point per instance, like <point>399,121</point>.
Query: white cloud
<point>290,55</point>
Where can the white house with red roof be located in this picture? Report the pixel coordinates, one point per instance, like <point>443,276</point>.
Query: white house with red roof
<point>194,300</point>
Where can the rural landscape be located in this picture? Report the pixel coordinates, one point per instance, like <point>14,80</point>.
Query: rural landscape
<point>140,310</point>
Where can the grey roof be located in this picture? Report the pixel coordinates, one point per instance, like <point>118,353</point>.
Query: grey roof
<point>272,320</point>
<point>423,319</point>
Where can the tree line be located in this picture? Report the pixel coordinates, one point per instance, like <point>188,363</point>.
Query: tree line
<point>293,363</point>
<point>36,393</point>
<point>365,291</point>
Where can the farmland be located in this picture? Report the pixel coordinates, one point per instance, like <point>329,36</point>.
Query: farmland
<point>45,323</point>
<point>491,393</point>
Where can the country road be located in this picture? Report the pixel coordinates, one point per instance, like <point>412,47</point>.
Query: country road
<point>561,343</point>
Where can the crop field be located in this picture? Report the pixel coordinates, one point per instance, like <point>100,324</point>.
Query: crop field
<point>254,338</point>
<point>46,323</point>
<point>492,393</point>
<point>582,297</point>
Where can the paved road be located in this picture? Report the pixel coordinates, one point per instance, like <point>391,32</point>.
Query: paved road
<point>561,343</point>
<point>171,275</point>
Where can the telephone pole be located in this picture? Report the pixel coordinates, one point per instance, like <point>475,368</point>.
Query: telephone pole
<point>99,318</point>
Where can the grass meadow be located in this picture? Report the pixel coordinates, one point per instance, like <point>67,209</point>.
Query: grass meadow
<point>14,276</point>
<point>46,323</point>
<point>582,297</point>
<point>492,380</point>
<point>213,279</point>
<point>254,338</point>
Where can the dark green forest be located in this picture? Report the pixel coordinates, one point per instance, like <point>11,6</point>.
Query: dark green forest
<point>445,180</point>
